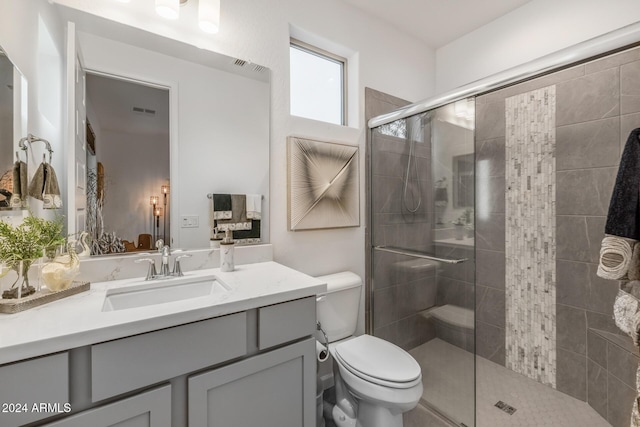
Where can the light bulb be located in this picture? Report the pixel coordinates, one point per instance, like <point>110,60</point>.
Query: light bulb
<point>169,9</point>
<point>209,15</point>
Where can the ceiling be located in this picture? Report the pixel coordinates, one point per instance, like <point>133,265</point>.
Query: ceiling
<point>438,22</point>
<point>113,101</point>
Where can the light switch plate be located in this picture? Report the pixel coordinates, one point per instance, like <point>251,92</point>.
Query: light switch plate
<point>190,221</point>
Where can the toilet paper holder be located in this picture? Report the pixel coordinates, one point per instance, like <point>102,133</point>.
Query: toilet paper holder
<point>322,351</point>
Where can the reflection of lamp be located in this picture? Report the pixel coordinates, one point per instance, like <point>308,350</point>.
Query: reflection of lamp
<point>157,213</point>
<point>165,191</point>
<point>153,201</point>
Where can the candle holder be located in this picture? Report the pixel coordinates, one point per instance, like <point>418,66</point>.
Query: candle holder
<point>157,213</point>
<point>165,192</point>
<point>153,201</point>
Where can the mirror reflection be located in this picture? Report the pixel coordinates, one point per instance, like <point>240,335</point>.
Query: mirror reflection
<point>213,137</point>
<point>7,156</point>
<point>453,169</point>
<point>127,161</point>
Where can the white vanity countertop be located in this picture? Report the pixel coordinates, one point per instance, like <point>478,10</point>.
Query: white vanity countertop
<point>79,320</point>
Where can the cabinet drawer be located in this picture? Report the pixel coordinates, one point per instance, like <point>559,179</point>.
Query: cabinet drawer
<point>131,363</point>
<point>44,380</point>
<point>148,409</point>
<point>281,323</point>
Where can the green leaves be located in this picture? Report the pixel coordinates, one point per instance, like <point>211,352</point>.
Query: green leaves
<point>28,240</point>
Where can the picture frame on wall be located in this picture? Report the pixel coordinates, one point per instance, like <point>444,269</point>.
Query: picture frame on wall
<point>323,189</point>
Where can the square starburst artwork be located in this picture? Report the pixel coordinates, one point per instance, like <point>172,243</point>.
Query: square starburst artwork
<point>323,187</point>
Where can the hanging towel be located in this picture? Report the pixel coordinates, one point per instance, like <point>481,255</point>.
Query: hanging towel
<point>20,180</point>
<point>221,206</point>
<point>441,197</point>
<point>254,206</point>
<point>51,193</point>
<point>36,186</point>
<point>44,186</point>
<point>623,218</point>
<point>622,228</point>
<point>243,237</point>
<point>616,254</point>
<point>238,219</point>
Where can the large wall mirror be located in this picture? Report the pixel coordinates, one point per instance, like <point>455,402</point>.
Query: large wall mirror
<point>163,119</point>
<point>12,128</point>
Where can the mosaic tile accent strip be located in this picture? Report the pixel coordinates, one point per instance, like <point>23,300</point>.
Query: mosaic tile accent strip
<point>530,233</point>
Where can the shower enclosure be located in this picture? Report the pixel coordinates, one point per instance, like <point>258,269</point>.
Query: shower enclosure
<point>422,254</point>
<point>486,215</point>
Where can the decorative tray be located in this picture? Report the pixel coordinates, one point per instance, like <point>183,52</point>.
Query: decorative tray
<point>10,306</point>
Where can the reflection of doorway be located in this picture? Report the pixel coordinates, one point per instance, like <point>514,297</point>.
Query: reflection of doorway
<point>130,124</point>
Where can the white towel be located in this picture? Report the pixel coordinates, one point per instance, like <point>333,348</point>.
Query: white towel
<point>254,206</point>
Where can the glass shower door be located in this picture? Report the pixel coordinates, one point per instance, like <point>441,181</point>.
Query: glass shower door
<point>422,256</point>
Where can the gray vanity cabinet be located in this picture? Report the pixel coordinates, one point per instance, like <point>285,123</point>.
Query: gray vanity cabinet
<point>148,409</point>
<point>274,389</point>
<point>254,368</point>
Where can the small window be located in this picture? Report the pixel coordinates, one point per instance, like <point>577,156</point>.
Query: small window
<point>318,84</point>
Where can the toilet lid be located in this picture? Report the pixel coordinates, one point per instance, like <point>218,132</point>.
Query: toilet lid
<point>378,359</point>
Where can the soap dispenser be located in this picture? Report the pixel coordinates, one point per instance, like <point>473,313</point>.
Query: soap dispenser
<point>226,252</point>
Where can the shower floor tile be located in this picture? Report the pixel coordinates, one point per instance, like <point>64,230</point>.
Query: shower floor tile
<point>448,386</point>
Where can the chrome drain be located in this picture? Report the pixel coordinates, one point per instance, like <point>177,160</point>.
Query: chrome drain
<point>504,407</point>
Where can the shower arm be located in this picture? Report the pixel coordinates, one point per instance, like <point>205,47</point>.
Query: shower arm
<point>417,254</point>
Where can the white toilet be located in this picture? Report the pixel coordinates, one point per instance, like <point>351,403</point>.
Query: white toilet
<point>376,381</point>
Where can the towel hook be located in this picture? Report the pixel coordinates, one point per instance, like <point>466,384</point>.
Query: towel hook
<point>30,138</point>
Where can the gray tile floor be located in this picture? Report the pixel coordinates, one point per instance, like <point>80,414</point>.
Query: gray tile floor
<point>449,383</point>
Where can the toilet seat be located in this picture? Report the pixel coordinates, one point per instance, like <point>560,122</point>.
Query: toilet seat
<point>379,362</point>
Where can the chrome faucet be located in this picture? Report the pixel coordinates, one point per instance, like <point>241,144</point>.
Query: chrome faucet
<point>165,253</point>
<point>151,272</point>
<point>164,267</point>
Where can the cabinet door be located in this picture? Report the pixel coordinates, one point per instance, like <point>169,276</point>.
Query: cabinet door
<point>149,409</point>
<point>274,389</point>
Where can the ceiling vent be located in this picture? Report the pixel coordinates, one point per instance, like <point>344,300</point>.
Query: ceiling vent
<point>259,68</point>
<point>144,111</point>
<point>240,62</point>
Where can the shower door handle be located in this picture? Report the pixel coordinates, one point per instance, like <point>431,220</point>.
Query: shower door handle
<point>417,254</point>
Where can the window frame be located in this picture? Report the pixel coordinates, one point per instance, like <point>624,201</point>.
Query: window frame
<point>332,57</point>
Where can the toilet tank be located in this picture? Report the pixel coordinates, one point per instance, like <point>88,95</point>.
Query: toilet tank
<point>337,310</point>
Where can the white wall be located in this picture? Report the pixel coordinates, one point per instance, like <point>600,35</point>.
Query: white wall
<point>32,36</point>
<point>538,28</point>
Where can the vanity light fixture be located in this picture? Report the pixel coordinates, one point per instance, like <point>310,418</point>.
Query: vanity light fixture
<point>209,15</point>
<point>208,12</point>
<point>169,9</point>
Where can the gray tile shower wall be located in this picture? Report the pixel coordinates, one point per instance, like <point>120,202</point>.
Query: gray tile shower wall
<point>598,104</point>
<point>490,231</point>
<point>401,287</point>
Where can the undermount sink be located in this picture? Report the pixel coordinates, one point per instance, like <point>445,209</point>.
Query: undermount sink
<point>162,291</point>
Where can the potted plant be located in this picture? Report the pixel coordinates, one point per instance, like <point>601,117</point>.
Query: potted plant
<point>21,245</point>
